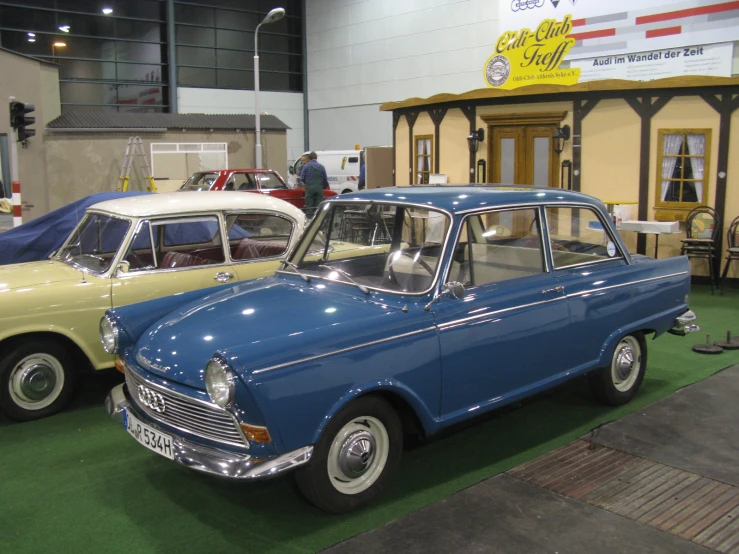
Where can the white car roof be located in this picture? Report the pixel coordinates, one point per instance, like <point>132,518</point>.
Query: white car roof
<point>173,203</point>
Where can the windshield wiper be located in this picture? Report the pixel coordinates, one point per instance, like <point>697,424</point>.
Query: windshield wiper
<point>364,289</point>
<point>305,277</point>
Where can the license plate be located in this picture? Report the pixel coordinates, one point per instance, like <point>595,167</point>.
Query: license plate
<point>148,436</point>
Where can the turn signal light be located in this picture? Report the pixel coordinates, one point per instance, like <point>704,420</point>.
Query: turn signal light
<point>119,366</point>
<point>255,433</point>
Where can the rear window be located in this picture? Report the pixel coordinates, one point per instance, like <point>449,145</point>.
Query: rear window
<point>200,181</point>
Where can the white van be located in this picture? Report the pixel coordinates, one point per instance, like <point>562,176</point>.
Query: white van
<point>342,169</point>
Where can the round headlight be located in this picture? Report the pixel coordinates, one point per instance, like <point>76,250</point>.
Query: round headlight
<point>219,382</point>
<point>109,334</point>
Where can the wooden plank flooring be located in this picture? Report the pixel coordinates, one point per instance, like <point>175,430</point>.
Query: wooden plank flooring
<point>690,506</point>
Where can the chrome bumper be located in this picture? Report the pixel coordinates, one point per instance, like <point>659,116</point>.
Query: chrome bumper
<point>684,324</point>
<point>213,460</point>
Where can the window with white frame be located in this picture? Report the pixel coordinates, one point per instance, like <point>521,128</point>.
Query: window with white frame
<point>682,168</point>
<point>424,159</point>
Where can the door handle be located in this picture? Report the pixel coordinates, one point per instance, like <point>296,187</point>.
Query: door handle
<point>560,288</point>
<point>223,277</point>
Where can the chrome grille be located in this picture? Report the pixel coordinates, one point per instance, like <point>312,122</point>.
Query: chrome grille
<point>187,414</point>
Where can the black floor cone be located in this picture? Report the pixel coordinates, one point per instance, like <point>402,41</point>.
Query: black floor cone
<point>707,348</point>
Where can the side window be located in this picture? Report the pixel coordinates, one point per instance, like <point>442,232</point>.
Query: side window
<point>254,235</point>
<point>244,181</point>
<point>578,236</point>
<point>192,241</point>
<point>141,254</point>
<point>498,246</point>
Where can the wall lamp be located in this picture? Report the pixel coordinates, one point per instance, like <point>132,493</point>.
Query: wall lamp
<point>560,136</point>
<point>475,138</point>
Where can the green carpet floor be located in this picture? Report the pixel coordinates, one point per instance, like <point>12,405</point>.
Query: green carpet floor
<point>76,482</point>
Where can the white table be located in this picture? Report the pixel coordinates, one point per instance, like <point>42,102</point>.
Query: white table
<point>655,228</point>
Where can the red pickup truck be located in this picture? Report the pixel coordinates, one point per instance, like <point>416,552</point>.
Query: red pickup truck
<point>264,181</point>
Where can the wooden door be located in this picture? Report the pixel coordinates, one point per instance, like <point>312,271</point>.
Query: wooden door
<point>523,155</point>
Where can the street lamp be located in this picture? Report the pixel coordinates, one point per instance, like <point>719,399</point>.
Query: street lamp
<point>54,45</point>
<point>274,15</point>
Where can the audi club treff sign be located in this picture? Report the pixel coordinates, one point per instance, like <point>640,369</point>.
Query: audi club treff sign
<point>526,57</point>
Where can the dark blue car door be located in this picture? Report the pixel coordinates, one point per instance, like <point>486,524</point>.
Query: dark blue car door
<point>591,266</point>
<point>509,333</point>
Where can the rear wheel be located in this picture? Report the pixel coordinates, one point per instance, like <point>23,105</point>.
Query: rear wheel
<point>346,191</point>
<point>36,379</point>
<point>619,382</point>
<point>355,457</point>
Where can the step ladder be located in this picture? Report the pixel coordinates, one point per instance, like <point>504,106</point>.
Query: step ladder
<point>135,148</point>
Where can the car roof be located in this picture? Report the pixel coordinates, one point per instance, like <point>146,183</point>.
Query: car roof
<point>172,203</point>
<point>461,198</point>
<point>249,169</point>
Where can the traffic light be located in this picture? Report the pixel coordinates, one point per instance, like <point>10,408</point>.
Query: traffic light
<point>19,120</point>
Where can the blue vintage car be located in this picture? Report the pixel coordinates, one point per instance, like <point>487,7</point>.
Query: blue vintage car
<point>400,310</point>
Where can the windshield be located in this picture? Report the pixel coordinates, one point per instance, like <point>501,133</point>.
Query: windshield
<point>95,242</point>
<point>269,181</point>
<point>200,181</point>
<point>379,246</point>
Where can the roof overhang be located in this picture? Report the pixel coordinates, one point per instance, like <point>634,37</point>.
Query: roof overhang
<point>489,95</point>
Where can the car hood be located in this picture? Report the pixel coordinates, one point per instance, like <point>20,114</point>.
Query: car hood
<point>264,323</point>
<point>33,274</point>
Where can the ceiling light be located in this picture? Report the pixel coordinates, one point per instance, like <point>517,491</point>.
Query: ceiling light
<point>60,44</point>
<point>64,28</point>
<point>107,11</point>
<point>31,34</point>
<point>31,39</point>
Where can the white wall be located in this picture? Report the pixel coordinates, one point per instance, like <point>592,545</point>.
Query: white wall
<point>288,106</point>
<point>342,128</point>
<point>362,53</point>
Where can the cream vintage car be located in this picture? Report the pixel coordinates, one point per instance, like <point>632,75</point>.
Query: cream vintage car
<point>125,251</point>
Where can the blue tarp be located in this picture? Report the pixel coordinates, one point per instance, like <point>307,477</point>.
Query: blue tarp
<point>37,239</point>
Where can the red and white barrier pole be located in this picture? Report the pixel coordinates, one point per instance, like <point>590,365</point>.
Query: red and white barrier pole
<point>17,207</point>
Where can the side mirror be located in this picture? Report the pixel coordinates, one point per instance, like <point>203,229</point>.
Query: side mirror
<point>291,170</point>
<point>123,267</point>
<point>454,289</point>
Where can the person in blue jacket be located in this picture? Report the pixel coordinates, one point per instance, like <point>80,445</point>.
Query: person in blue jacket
<point>314,178</point>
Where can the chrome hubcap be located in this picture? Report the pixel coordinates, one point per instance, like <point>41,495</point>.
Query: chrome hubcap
<point>624,362</point>
<point>357,456</point>
<point>37,381</point>
<point>357,453</point>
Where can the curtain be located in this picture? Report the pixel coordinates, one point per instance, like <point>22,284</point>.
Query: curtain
<point>672,144</point>
<point>423,159</point>
<point>697,147</point>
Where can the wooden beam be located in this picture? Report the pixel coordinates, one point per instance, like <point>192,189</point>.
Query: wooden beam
<point>580,111</point>
<point>645,109</point>
<point>470,112</point>
<point>725,105</point>
<point>411,119</point>
<point>437,116</point>
<point>396,120</point>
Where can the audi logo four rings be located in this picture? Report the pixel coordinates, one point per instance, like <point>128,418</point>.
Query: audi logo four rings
<point>151,399</point>
<point>517,5</point>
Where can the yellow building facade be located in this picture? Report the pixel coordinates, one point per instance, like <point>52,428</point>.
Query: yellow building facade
<point>659,147</point>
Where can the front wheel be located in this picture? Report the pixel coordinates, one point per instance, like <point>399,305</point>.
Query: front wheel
<point>36,379</point>
<point>355,457</point>
<point>619,382</point>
